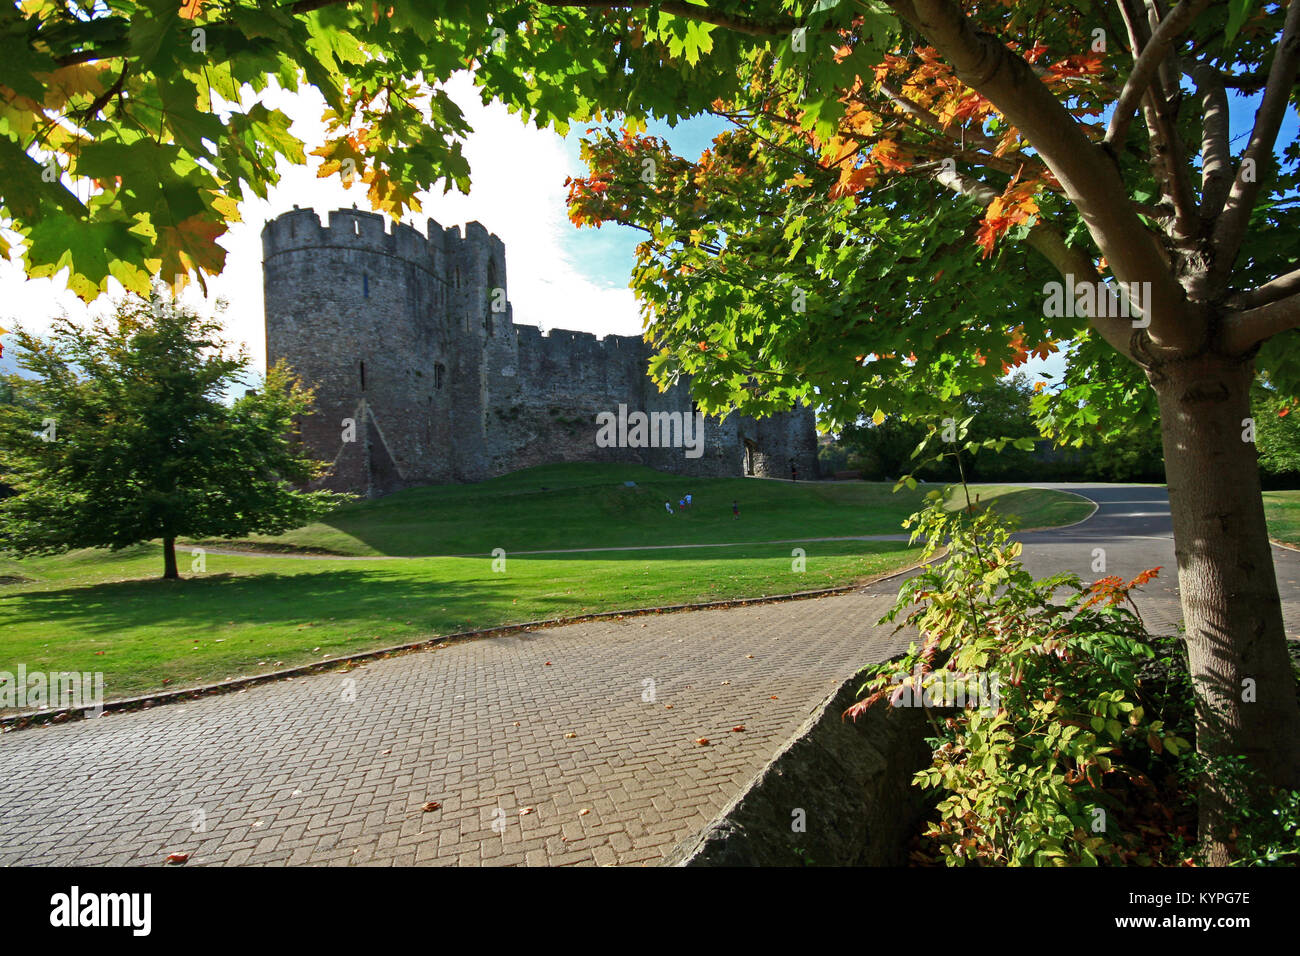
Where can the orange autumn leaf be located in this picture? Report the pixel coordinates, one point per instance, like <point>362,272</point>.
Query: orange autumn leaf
<point>1081,64</point>
<point>1016,206</point>
<point>889,155</point>
<point>853,181</point>
<point>190,9</point>
<point>1145,576</point>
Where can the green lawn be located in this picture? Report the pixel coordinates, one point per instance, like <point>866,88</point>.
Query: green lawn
<point>1283,511</point>
<point>248,614</point>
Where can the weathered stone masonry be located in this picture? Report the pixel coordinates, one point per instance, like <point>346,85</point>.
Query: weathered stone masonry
<point>412,338</point>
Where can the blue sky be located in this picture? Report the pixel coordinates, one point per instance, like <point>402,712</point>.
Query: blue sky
<point>608,252</point>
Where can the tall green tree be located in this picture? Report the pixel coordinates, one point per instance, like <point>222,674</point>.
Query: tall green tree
<point>1007,178</point>
<point>122,436</point>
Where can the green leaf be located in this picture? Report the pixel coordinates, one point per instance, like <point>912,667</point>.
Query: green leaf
<point>1238,12</point>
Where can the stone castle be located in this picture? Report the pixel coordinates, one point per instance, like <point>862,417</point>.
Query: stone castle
<point>422,377</point>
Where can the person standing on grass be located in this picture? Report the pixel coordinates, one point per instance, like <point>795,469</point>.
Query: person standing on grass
<point>688,499</point>
<point>794,471</point>
<point>735,509</point>
<point>668,507</point>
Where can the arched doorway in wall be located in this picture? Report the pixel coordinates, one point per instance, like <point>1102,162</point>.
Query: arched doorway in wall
<point>750,449</point>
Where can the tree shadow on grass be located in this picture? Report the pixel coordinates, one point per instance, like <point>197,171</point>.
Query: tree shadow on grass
<point>341,596</point>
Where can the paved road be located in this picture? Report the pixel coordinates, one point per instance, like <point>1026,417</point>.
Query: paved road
<point>525,732</point>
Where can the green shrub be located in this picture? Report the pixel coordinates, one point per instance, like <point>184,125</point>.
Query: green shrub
<point>1037,769</point>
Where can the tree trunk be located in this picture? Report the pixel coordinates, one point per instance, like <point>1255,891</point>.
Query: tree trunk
<point>1236,643</point>
<point>169,560</point>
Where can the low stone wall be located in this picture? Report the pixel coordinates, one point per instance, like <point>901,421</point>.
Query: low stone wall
<point>849,781</point>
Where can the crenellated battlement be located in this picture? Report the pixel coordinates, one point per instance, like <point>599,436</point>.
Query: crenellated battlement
<point>361,231</point>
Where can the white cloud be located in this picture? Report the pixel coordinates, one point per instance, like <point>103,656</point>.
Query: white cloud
<point>518,174</point>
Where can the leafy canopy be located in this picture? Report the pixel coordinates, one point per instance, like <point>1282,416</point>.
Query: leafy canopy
<point>872,233</point>
<point>131,129</point>
<point>888,246</point>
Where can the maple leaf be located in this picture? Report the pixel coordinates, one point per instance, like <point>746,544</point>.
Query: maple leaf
<point>82,79</point>
<point>889,155</point>
<point>853,181</point>
<point>1081,64</point>
<point>191,245</point>
<point>1015,206</point>
<point>863,122</point>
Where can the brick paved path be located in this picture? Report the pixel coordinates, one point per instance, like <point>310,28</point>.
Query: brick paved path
<point>325,771</point>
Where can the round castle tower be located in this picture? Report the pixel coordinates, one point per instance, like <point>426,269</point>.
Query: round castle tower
<point>389,329</point>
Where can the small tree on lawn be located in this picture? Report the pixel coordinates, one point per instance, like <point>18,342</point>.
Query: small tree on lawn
<point>122,437</point>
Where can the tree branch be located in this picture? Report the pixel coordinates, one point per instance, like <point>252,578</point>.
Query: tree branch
<point>1280,287</point>
<point>1231,226</point>
<point>1009,162</point>
<point>1148,63</point>
<point>1216,155</point>
<point>1085,172</point>
<point>1050,244</point>
<point>1152,41</point>
<point>1243,330</point>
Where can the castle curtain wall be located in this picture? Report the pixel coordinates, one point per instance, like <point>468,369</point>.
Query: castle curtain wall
<point>398,332</point>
